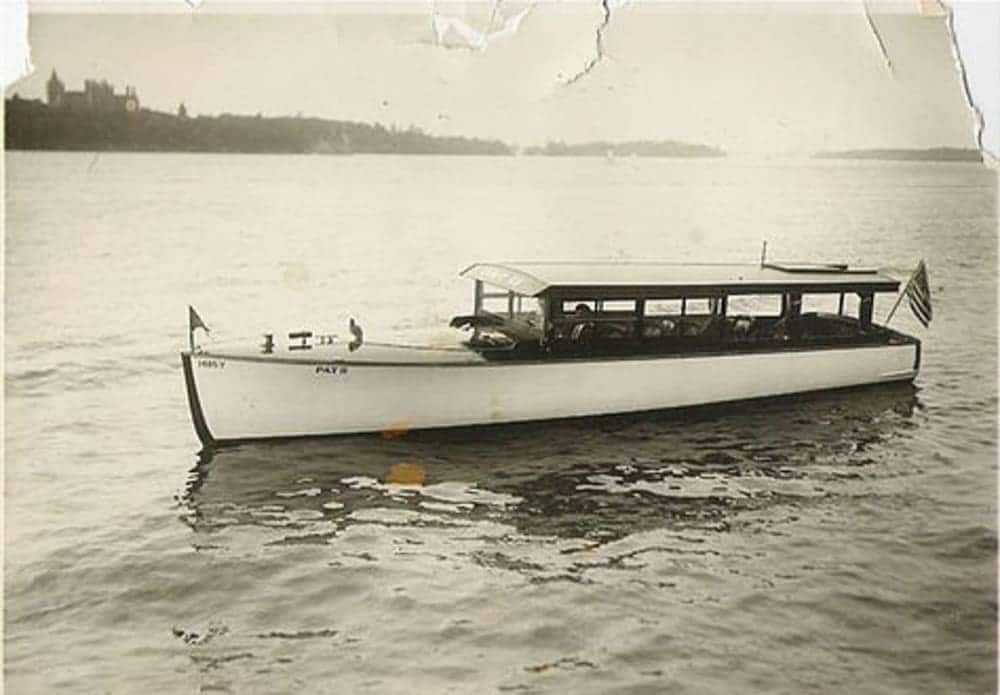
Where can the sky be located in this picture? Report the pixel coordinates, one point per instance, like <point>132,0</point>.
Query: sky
<point>747,77</point>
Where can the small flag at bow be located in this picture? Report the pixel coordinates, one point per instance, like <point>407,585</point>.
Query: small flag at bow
<point>918,292</point>
<point>194,322</point>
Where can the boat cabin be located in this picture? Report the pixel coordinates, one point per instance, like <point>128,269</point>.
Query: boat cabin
<point>603,308</point>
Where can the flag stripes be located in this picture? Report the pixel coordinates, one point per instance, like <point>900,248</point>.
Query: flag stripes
<point>918,293</point>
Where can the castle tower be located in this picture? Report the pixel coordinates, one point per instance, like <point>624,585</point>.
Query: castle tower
<point>131,99</point>
<point>54,89</point>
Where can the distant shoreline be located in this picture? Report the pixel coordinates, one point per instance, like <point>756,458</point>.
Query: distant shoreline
<point>931,154</point>
<point>631,148</point>
<point>32,125</point>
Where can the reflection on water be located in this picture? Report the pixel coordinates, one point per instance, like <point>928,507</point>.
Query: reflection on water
<point>597,480</point>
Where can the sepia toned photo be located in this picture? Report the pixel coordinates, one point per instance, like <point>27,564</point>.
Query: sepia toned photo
<point>523,346</point>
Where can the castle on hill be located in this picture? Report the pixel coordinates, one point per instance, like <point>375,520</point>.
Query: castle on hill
<point>97,118</point>
<point>97,96</point>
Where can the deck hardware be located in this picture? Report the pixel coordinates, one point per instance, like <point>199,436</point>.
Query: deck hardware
<point>303,337</point>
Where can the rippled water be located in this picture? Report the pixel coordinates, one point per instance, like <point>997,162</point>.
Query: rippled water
<point>843,542</point>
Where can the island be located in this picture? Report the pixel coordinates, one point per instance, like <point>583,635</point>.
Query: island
<point>931,154</point>
<point>632,148</point>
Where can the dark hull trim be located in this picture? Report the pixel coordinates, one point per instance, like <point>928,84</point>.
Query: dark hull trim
<point>680,410</point>
<point>194,403</point>
<point>905,340</point>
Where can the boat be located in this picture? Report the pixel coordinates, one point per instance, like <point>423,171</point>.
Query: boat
<point>551,340</point>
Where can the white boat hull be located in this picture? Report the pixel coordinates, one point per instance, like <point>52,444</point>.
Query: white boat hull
<point>236,397</point>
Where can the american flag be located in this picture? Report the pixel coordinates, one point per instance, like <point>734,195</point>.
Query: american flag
<point>918,292</point>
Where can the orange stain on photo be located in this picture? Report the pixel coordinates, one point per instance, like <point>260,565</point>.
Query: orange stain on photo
<point>396,430</point>
<point>406,474</point>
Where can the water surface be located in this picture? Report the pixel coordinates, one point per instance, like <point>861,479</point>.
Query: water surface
<point>841,542</point>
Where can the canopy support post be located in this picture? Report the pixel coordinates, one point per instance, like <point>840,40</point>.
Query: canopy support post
<point>477,302</point>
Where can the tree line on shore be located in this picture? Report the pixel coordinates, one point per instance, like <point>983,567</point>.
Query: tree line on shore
<point>33,125</point>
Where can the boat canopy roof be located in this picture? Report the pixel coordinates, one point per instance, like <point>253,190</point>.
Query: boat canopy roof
<point>627,279</point>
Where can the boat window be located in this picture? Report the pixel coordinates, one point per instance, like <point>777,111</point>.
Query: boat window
<point>697,306</point>
<point>495,304</point>
<point>824,303</point>
<point>677,307</point>
<point>493,300</point>
<point>852,305</point>
<point>755,305</point>
<point>572,306</point>
<point>663,307</point>
<point>617,306</point>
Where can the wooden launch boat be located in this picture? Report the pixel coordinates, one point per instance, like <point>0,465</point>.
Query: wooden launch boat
<point>558,340</point>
